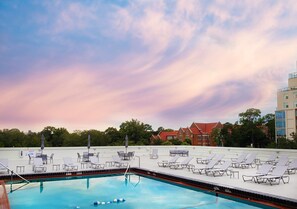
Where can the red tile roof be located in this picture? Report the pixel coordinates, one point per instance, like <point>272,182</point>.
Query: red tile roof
<point>164,134</point>
<point>204,128</point>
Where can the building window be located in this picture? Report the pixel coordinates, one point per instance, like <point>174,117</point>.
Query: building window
<point>285,105</point>
<point>281,132</point>
<point>286,96</point>
<point>295,104</point>
<point>280,124</point>
<point>280,115</point>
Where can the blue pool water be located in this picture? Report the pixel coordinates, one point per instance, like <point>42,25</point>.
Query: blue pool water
<point>137,191</point>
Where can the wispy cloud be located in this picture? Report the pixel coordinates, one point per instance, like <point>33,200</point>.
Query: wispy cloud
<point>168,63</point>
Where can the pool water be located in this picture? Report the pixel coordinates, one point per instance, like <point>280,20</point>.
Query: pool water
<point>133,192</point>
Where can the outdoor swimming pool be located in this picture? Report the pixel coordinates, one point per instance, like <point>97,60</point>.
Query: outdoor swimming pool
<point>116,192</point>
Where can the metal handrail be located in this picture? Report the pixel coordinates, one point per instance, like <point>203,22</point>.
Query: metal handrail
<point>12,172</point>
<point>128,166</point>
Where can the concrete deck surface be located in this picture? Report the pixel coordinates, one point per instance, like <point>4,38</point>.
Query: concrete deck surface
<point>282,190</point>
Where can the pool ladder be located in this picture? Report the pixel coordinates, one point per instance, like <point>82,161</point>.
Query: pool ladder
<point>129,164</point>
<point>11,177</point>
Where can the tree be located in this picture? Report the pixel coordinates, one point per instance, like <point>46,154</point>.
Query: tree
<point>269,121</point>
<point>113,136</point>
<point>138,132</point>
<point>250,122</point>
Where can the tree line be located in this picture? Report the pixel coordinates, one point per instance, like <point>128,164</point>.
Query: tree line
<point>251,130</point>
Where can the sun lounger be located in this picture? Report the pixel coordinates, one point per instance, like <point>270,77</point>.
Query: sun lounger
<point>94,162</point>
<point>205,160</point>
<point>69,165</point>
<point>292,167</point>
<point>249,161</point>
<point>282,160</point>
<point>220,170</point>
<point>270,160</point>
<point>181,165</point>
<point>167,163</point>
<point>202,170</point>
<point>238,160</point>
<point>38,165</point>
<point>275,176</point>
<point>4,165</point>
<point>263,170</point>
<point>154,154</point>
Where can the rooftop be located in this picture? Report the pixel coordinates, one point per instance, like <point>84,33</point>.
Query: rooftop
<point>17,157</point>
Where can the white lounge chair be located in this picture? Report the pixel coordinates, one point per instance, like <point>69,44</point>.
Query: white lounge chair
<point>4,165</point>
<point>38,165</point>
<point>292,167</point>
<point>263,170</point>
<point>205,160</point>
<point>241,158</point>
<point>201,170</point>
<point>282,160</point>
<point>249,161</point>
<point>275,176</point>
<point>270,160</point>
<point>94,161</point>
<point>68,164</point>
<point>154,154</point>
<point>181,165</point>
<point>219,171</point>
<point>167,163</point>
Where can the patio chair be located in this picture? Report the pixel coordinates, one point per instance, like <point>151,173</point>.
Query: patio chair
<point>31,158</point>
<point>275,176</point>
<point>130,155</point>
<point>78,157</point>
<point>38,165</point>
<point>94,161</point>
<point>118,162</point>
<point>249,161</point>
<point>220,170</point>
<point>4,165</point>
<point>167,163</point>
<point>205,160</point>
<point>202,170</point>
<point>154,154</point>
<point>263,170</point>
<point>292,167</point>
<point>181,165</point>
<point>68,164</point>
<point>121,154</point>
<point>51,158</point>
<point>85,157</point>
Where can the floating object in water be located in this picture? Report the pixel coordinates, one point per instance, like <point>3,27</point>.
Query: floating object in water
<point>109,202</point>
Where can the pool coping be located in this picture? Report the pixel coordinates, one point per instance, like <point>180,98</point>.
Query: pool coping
<point>217,189</point>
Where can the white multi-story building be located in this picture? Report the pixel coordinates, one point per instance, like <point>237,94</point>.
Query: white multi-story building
<point>286,111</point>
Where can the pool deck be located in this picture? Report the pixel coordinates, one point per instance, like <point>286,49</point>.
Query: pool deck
<point>287,191</point>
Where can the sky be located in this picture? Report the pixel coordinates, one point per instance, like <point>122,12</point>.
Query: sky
<point>95,64</point>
